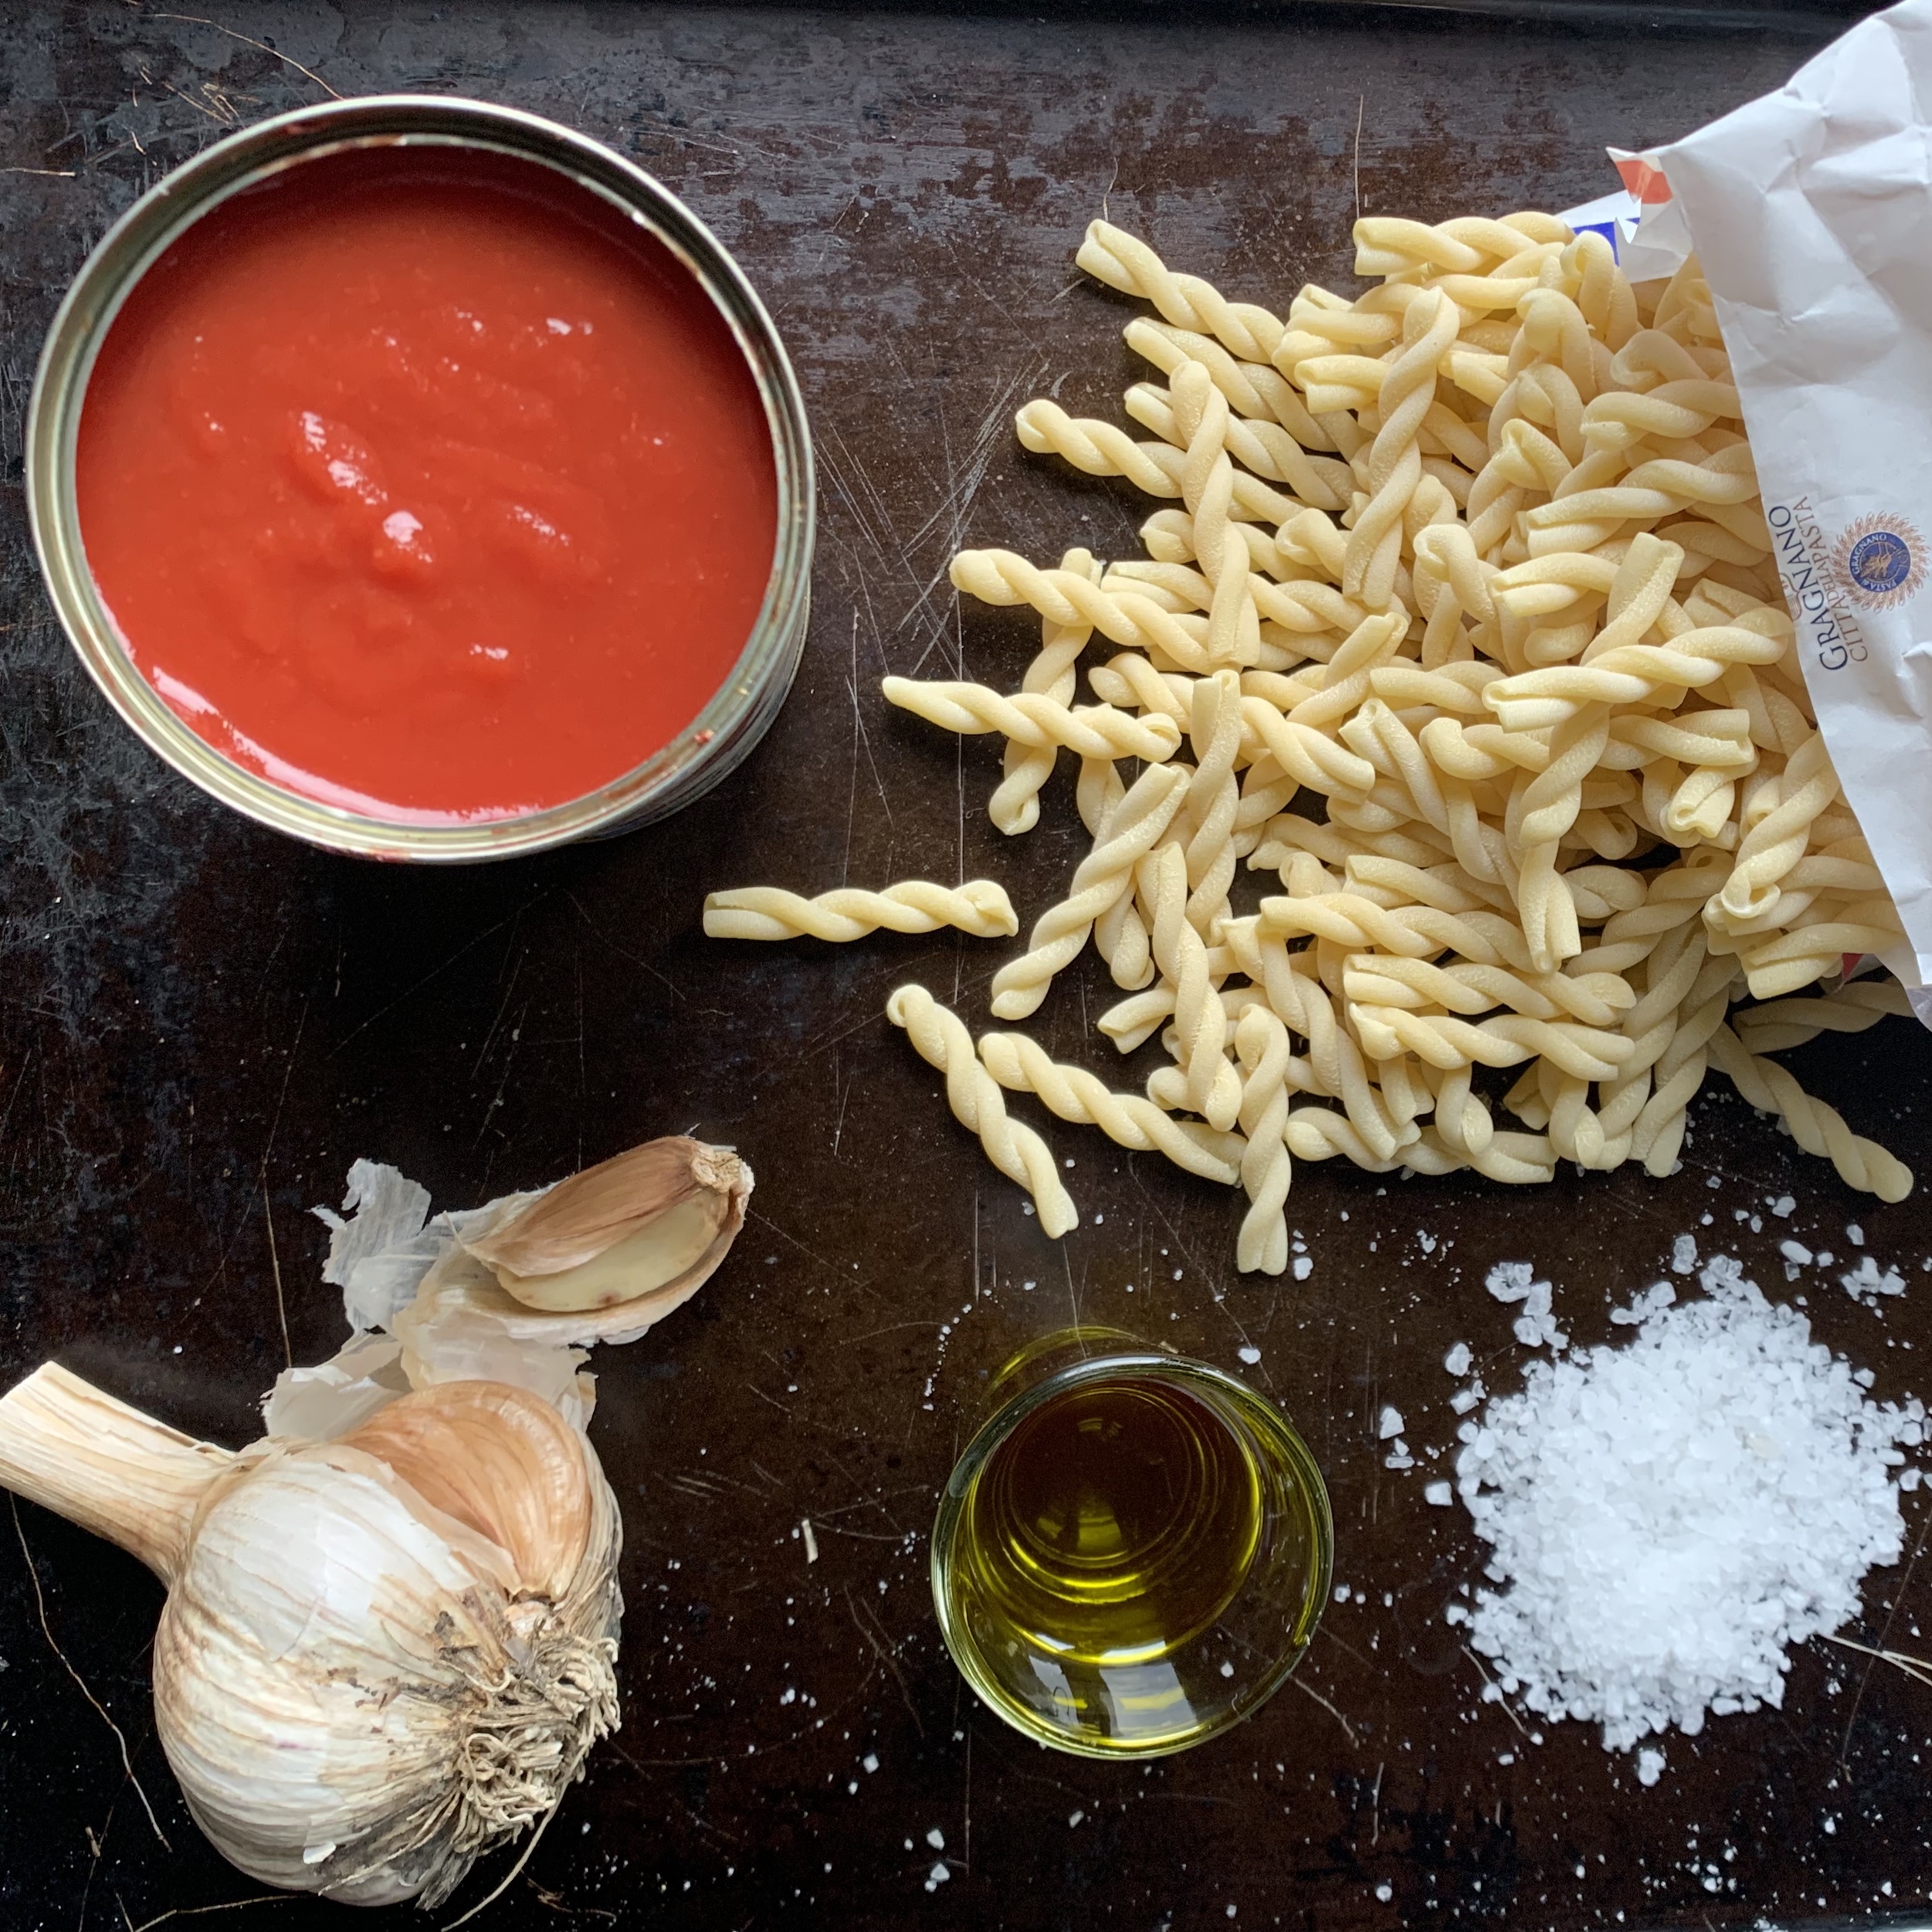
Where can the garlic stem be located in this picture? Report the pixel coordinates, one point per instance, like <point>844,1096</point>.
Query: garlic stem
<point>97,1461</point>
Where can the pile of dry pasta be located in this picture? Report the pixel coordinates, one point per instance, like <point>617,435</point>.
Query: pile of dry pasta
<point>1460,615</point>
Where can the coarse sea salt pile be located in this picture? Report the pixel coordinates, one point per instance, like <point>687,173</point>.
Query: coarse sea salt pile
<point>1670,1516</point>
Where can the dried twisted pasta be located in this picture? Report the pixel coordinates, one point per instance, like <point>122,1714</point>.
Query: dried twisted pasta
<point>940,1037</point>
<point>979,907</point>
<point>1142,816</point>
<point>1031,718</point>
<point>1015,806</point>
<point>1023,1066</point>
<point>1477,561</point>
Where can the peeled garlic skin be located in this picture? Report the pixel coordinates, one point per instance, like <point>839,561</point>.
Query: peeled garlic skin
<point>333,1652</point>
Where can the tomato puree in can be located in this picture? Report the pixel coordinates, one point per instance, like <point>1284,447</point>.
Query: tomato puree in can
<point>427,484</point>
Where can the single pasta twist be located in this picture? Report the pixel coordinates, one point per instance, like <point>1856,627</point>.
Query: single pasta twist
<point>1770,848</point>
<point>1033,718</point>
<point>1199,1017</point>
<point>1394,463</point>
<point>980,907</point>
<point>1139,820</point>
<point>1124,261</point>
<point>1119,933</point>
<point>1097,447</point>
<point>998,577</point>
<point>1207,815</point>
<point>1100,449</point>
<point>940,1037</point>
<point>1586,1052</point>
<point>1638,674</point>
<point>1023,1066</point>
<point>1816,1128</point>
<point>1015,806</point>
<point>1679,1076</point>
<point>1786,1023</point>
<point>1334,1055</point>
<point>1261,1045</point>
<point>1207,487</point>
<point>1375,979</point>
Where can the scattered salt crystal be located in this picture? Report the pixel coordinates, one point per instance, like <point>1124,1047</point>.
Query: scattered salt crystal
<point>1866,1282</point>
<point>1855,1234</point>
<point>1391,1424</point>
<point>1426,1242</point>
<point>1398,1457</point>
<point>870,1760</point>
<point>1383,1893</point>
<point>1303,1267</point>
<point>1457,1360</point>
<point>1341,1593</point>
<point>1509,1280</point>
<point>1074,1817</point>
<point>1250,1355</point>
<point>1668,1517</point>
<point>1465,1399</point>
<point>937,1877</point>
<point>1796,1252</point>
<point>1438,1493</point>
<point>1650,1765</point>
<point>1659,1294</point>
<point>1684,1255</point>
<point>1783,1205</point>
<point>936,1838</point>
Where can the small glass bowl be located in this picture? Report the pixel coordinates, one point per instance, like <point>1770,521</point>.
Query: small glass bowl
<point>1240,1533</point>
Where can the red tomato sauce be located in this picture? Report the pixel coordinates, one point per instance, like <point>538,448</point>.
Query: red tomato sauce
<point>428,486</point>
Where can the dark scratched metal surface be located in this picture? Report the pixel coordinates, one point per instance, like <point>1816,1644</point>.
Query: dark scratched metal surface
<point>201,1026</point>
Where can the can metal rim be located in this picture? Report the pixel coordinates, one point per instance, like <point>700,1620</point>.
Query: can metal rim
<point>736,715</point>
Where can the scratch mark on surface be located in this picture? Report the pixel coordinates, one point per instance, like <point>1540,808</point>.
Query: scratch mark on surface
<point>47,1630</point>
<point>1308,1690</point>
<point>195,19</point>
<point>200,1911</point>
<point>275,1268</point>
<point>1361,103</point>
<point>1499,1698</point>
<point>1898,1597</point>
<point>874,1633</point>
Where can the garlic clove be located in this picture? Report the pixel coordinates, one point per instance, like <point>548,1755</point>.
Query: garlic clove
<point>640,1263</point>
<point>654,1221</point>
<point>499,1460</point>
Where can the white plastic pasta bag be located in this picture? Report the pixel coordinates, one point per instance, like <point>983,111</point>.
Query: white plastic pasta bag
<point>1810,211</point>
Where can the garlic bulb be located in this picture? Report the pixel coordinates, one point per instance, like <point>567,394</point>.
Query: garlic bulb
<point>381,1655</point>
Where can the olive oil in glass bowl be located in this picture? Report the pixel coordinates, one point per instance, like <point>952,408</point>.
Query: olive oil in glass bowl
<point>1133,1552</point>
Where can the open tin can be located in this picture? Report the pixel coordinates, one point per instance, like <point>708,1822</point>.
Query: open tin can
<point>737,715</point>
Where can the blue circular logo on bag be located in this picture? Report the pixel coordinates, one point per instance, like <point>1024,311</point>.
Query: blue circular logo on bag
<point>1881,561</point>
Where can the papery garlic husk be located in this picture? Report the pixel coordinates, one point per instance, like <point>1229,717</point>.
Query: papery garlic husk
<point>380,1656</point>
<point>604,1256</point>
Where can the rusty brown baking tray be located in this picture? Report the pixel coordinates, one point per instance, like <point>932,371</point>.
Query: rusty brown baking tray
<point>200,1026</point>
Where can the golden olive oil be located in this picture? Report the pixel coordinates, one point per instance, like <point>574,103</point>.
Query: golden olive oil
<point>1115,1524</point>
<point>1132,1551</point>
